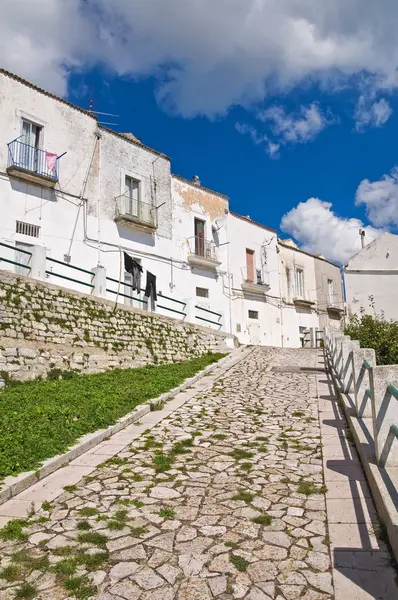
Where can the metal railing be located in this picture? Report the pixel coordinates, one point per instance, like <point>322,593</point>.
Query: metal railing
<point>202,248</point>
<point>14,262</point>
<point>173,310</point>
<point>29,158</point>
<point>212,312</point>
<point>123,284</point>
<point>254,276</point>
<point>135,211</point>
<point>61,276</point>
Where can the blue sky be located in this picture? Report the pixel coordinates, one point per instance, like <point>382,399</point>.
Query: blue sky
<point>288,107</point>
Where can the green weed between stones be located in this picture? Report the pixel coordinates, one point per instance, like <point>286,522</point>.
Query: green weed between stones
<point>14,530</point>
<point>88,511</point>
<point>240,453</point>
<point>308,488</point>
<point>239,562</point>
<point>27,591</point>
<point>167,513</point>
<point>245,496</point>
<point>263,519</point>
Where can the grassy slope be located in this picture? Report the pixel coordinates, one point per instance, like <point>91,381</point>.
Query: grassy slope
<point>43,418</point>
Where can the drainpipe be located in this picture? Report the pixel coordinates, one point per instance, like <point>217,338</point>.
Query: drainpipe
<point>229,279</point>
<point>98,134</point>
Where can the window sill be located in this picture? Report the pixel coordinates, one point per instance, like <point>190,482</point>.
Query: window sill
<point>31,176</point>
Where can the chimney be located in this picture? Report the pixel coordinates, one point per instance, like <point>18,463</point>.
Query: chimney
<point>362,234</point>
<point>196,179</point>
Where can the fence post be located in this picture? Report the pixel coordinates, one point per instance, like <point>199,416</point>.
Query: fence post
<point>99,282</point>
<point>190,310</point>
<point>337,353</point>
<point>38,263</point>
<point>385,413</point>
<point>361,378</point>
<point>346,374</point>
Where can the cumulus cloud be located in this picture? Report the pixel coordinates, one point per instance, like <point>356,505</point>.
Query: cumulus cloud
<point>369,113</point>
<point>318,229</point>
<point>381,199</point>
<point>206,56</point>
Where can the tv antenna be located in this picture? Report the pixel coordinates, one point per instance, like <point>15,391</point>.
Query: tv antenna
<point>97,112</point>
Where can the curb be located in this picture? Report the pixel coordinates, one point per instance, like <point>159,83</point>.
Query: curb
<point>12,486</point>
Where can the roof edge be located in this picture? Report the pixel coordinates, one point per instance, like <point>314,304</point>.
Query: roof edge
<point>308,254</point>
<point>199,187</point>
<point>234,214</point>
<point>135,143</point>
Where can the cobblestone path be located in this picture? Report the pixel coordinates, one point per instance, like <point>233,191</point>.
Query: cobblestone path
<point>223,499</point>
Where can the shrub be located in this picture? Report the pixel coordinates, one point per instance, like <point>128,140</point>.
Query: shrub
<point>378,333</point>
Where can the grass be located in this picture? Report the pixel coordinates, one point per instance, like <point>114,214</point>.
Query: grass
<point>11,573</point>
<point>27,591</point>
<point>83,526</point>
<point>308,488</point>
<point>239,562</point>
<point>88,511</point>
<point>232,545</point>
<point>162,462</point>
<point>298,413</point>
<point>245,496</point>
<point>70,488</point>
<point>239,453</point>
<point>263,519</point>
<point>38,418</point>
<point>262,438</point>
<point>167,513</point>
<point>220,436</point>
<point>14,530</point>
<point>93,538</point>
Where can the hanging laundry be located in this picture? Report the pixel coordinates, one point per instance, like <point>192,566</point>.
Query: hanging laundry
<point>133,267</point>
<point>150,290</point>
<point>51,160</point>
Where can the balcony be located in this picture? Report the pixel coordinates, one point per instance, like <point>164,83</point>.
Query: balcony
<point>202,253</point>
<point>32,164</point>
<point>255,283</point>
<point>335,309</point>
<point>141,215</point>
<point>302,299</point>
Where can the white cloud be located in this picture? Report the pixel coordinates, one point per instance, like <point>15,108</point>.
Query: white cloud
<point>370,113</point>
<point>318,229</point>
<point>205,55</point>
<point>293,128</point>
<point>381,199</point>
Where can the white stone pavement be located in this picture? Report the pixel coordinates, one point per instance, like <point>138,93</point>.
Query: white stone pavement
<point>228,493</point>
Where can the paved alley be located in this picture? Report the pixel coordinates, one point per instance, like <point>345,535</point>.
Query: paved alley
<point>224,498</point>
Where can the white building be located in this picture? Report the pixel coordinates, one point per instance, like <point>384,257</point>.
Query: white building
<point>74,196</point>
<point>369,278</point>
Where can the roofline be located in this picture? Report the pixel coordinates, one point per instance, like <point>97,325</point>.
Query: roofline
<point>248,220</point>
<point>308,254</point>
<point>49,94</point>
<point>199,187</point>
<point>82,110</point>
<point>135,143</point>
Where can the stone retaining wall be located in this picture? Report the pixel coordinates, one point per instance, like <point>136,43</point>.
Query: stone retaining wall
<point>45,327</point>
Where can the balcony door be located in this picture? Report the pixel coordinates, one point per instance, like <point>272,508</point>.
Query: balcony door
<point>199,237</point>
<point>132,187</point>
<point>28,150</point>
<point>249,265</point>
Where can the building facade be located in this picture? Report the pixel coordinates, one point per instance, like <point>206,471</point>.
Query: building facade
<point>369,278</point>
<point>76,196</point>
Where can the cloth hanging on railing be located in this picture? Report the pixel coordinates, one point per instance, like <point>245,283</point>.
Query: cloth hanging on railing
<point>133,267</point>
<point>150,290</point>
<point>51,160</point>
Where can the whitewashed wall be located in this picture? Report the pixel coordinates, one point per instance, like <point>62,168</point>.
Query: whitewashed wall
<point>371,278</point>
<point>266,330</point>
<point>295,316</point>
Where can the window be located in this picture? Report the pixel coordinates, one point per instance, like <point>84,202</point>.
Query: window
<point>202,292</point>
<point>253,314</point>
<point>27,229</point>
<point>330,291</point>
<point>199,237</point>
<point>249,265</point>
<point>132,196</point>
<point>300,283</point>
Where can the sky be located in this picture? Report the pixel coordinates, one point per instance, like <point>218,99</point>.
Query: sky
<point>289,107</point>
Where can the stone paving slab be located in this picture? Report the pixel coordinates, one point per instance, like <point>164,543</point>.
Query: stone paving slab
<point>221,497</point>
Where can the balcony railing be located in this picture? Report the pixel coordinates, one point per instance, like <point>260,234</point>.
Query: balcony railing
<point>130,210</point>
<point>32,161</point>
<point>255,276</point>
<point>202,248</point>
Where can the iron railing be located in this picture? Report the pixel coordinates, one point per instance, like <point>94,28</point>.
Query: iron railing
<point>29,158</point>
<point>211,312</point>
<point>255,276</point>
<point>14,262</point>
<point>69,266</point>
<point>135,211</point>
<point>202,248</point>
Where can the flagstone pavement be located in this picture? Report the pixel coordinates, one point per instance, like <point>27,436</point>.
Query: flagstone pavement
<point>225,498</point>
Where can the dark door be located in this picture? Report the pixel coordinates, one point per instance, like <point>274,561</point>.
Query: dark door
<point>199,237</point>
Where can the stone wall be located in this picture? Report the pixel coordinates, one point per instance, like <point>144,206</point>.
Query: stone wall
<point>45,327</point>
